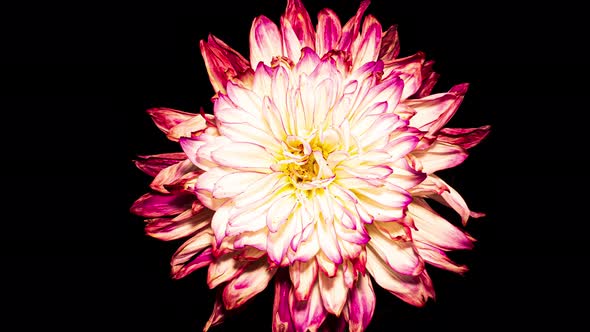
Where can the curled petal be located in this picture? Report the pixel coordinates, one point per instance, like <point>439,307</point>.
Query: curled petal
<point>171,174</point>
<point>192,255</point>
<point>183,225</point>
<point>167,118</point>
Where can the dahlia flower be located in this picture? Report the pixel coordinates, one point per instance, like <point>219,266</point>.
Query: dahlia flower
<point>315,171</point>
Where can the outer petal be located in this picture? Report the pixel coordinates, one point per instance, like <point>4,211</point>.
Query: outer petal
<point>183,225</point>
<point>192,255</point>
<point>300,22</point>
<point>303,276</point>
<point>152,205</point>
<point>438,258</point>
<point>463,137</point>
<point>435,230</point>
<point>329,31</point>
<point>222,62</point>
<point>361,304</point>
<point>166,118</point>
<point>265,41</point>
<point>389,44</point>
<point>400,255</point>
<point>154,164</point>
<point>366,48</point>
<point>414,290</point>
<point>310,314</point>
<point>281,319</point>
<point>218,314</point>
<point>250,282</point>
<point>440,156</point>
<point>334,292</point>
<point>171,174</point>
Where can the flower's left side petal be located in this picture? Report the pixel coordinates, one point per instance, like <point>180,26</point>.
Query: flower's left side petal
<point>170,174</point>
<point>192,255</point>
<point>250,282</point>
<point>154,205</point>
<point>166,118</point>
<point>154,164</point>
<point>184,224</point>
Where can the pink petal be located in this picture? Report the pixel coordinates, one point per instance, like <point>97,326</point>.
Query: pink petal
<point>350,30</point>
<point>333,291</point>
<point>281,319</point>
<point>303,276</point>
<point>463,137</point>
<point>438,258</point>
<point>166,118</point>
<point>308,314</point>
<point>183,225</point>
<point>409,69</point>
<point>434,229</point>
<point>218,314</point>
<point>400,255</point>
<point>291,44</point>
<point>366,48</point>
<point>251,281</point>
<point>300,22</point>
<point>192,255</point>
<point>440,156</point>
<point>245,156</point>
<point>389,44</point>
<point>429,79</point>
<point>154,164</point>
<point>265,41</point>
<point>434,111</point>
<point>222,62</point>
<point>190,127</point>
<point>154,205</point>
<point>414,290</point>
<point>361,304</point>
<point>329,31</point>
<point>224,269</point>
<point>170,174</point>
<point>454,200</point>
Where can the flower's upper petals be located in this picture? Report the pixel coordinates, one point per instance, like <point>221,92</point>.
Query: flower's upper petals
<point>193,254</point>
<point>307,315</point>
<point>434,229</point>
<point>291,44</point>
<point>265,41</point>
<point>463,137</point>
<point>244,156</point>
<point>222,62</point>
<point>366,47</point>
<point>429,79</point>
<point>361,304</point>
<point>300,22</point>
<point>409,69</point>
<point>154,164</point>
<point>440,156</point>
<point>183,225</point>
<point>166,118</point>
<point>281,319</point>
<point>414,290</point>
<point>154,205</point>
<point>389,44</point>
<point>350,30</point>
<point>251,281</point>
<point>400,255</point>
<point>333,291</point>
<point>329,31</point>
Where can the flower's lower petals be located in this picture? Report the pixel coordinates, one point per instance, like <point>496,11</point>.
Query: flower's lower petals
<point>191,255</point>
<point>281,319</point>
<point>414,290</point>
<point>303,277</point>
<point>251,281</point>
<point>334,291</point>
<point>224,269</point>
<point>308,314</point>
<point>361,304</point>
<point>218,313</point>
<point>437,257</point>
<point>400,255</point>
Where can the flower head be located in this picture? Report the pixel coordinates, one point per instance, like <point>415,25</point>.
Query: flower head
<point>315,169</point>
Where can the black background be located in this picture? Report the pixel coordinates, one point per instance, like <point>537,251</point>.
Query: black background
<point>78,77</point>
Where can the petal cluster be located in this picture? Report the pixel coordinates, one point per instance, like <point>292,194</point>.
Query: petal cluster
<point>315,170</point>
